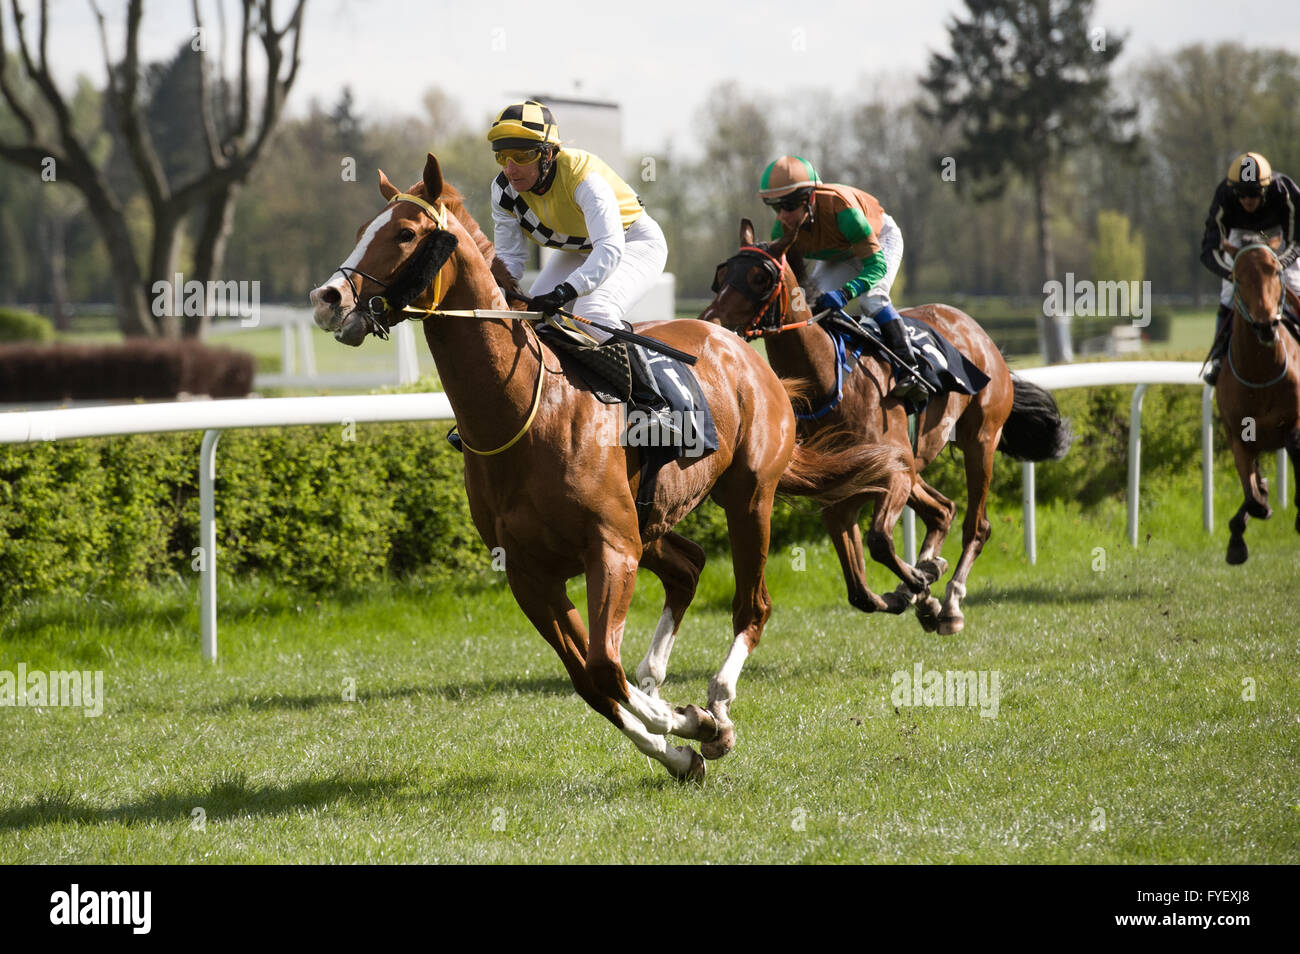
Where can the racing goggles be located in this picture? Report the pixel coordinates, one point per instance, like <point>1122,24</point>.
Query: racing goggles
<point>520,157</point>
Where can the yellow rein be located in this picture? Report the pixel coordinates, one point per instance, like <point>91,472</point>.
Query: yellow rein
<point>439,216</point>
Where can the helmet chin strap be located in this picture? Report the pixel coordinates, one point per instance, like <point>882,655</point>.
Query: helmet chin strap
<point>545,171</point>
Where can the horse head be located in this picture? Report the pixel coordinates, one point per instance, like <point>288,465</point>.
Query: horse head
<point>1257,290</point>
<point>399,255</point>
<point>756,290</point>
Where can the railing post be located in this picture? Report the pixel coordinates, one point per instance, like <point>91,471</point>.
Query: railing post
<point>208,543</point>
<point>1031,539</point>
<point>408,362</point>
<point>1134,460</point>
<point>909,536</point>
<point>286,348</point>
<point>307,348</point>
<point>1207,459</point>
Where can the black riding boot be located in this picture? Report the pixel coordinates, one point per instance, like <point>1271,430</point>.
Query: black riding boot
<point>647,399</point>
<point>907,383</point>
<point>1219,347</point>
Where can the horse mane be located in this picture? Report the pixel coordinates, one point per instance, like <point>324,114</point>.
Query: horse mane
<point>455,202</point>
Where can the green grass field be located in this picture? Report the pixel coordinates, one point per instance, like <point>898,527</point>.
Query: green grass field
<point>1147,712</point>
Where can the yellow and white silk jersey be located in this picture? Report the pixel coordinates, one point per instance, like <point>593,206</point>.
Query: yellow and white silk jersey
<point>587,209</point>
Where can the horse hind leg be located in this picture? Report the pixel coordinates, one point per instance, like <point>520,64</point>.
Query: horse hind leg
<point>677,562</point>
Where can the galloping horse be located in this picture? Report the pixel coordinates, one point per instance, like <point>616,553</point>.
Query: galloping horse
<point>758,291</point>
<point>548,482</point>
<point>1259,396</point>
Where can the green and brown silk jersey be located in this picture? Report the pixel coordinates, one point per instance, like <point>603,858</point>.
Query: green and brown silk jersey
<point>846,223</point>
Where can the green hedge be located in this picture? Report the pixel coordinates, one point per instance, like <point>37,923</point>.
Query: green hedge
<point>314,509</point>
<point>18,325</point>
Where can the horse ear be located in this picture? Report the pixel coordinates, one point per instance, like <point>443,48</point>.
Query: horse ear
<point>1275,243</point>
<point>784,242</point>
<point>432,177</point>
<point>746,232</point>
<point>386,188</point>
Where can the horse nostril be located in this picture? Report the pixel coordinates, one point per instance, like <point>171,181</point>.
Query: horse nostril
<point>331,296</point>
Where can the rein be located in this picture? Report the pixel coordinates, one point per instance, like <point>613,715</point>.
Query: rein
<point>761,324</point>
<point>1239,306</point>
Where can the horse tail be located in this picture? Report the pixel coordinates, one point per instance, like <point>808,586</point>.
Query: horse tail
<point>1035,430</point>
<point>831,467</point>
<point>800,392</point>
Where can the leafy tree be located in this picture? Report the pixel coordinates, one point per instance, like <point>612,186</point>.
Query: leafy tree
<point>1027,83</point>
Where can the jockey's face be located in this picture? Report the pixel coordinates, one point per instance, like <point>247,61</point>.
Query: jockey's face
<point>790,218</point>
<point>1250,203</point>
<point>522,178</point>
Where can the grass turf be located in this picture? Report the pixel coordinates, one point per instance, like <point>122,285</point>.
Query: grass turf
<point>1124,731</point>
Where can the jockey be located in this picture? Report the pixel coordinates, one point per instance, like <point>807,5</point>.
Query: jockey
<point>856,245</point>
<point>1253,198</point>
<point>608,250</point>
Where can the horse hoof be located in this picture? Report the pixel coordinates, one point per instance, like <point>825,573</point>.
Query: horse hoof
<point>1237,552</point>
<point>933,568</point>
<point>724,743</point>
<point>695,771</point>
<point>1261,511</point>
<point>896,603</point>
<point>927,613</point>
<point>700,724</point>
<point>951,625</point>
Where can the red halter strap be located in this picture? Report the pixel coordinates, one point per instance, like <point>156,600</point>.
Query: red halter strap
<point>755,328</point>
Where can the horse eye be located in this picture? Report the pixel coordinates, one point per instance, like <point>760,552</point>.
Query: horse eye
<point>405,236</point>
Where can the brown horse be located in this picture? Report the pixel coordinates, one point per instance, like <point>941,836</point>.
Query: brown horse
<point>549,483</point>
<point>759,291</point>
<point>1259,390</point>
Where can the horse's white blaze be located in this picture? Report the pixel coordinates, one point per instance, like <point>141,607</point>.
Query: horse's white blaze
<point>724,688</point>
<point>325,312</point>
<point>676,758</point>
<point>650,672</point>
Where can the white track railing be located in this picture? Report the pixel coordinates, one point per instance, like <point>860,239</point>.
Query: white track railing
<point>214,416</point>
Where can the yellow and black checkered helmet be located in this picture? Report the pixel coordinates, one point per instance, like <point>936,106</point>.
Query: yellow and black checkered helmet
<point>1250,173</point>
<point>521,125</point>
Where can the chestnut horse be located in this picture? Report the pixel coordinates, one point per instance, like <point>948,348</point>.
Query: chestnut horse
<point>761,286</point>
<point>1259,390</point>
<point>549,483</point>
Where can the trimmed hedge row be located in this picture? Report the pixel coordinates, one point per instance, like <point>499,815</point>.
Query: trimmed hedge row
<point>315,509</point>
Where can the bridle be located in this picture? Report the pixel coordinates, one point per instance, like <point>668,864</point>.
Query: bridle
<point>1260,328</point>
<point>422,260</point>
<point>773,306</point>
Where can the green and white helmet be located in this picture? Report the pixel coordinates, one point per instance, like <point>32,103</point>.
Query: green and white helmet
<point>787,175</point>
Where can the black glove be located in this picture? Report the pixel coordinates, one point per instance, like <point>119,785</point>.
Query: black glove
<point>555,299</point>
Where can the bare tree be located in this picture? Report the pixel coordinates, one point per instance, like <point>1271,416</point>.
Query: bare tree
<point>235,133</point>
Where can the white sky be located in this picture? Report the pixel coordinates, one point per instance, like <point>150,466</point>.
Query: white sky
<point>658,58</point>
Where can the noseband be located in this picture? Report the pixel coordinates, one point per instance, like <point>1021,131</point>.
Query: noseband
<point>422,268</point>
<point>1239,304</point>
<point>772,306</point>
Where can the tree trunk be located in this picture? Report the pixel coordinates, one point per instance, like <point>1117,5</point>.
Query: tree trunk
<point>210,252</point>
<point>134,317</point>
<point>162,268</point>
<point>51,232</point>
<point>1053,329</point>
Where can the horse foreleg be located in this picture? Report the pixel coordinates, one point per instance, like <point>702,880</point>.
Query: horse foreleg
<point>611,578</point>
<point>678,563</point>
<point>841,520</point>
<point>880,543</point>
<point>937,512</point>
<point>749,513</point>
<point>975,529</point>
<point>1293,451</point>
<point>548,608</point>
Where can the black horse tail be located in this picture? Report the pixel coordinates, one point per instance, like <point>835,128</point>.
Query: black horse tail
<point>1035,430</point>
